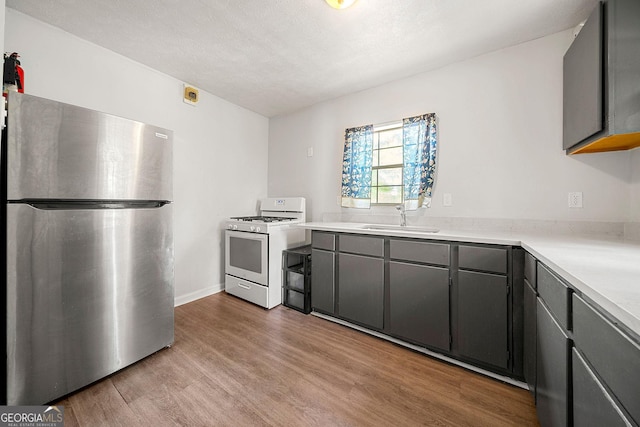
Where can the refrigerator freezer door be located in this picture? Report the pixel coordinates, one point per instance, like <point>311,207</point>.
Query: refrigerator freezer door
<point>60,151</point>
<point>88,293</point>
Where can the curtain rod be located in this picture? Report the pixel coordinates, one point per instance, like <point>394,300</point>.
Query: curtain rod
<point>389,125</point>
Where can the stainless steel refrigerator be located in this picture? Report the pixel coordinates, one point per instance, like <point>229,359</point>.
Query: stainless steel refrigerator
<point>88,246</point>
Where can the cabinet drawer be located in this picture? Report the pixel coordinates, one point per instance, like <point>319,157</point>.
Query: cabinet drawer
<point>592,404</point>
<point>555,294</point>
<point>247,290</point>
<point>362,245</point>
<point>427,252</point>
<point>322,240</point>
<point>296,300</point>
<point>530,269</point>
<point>295,281</point>
<point>482,258</point>
<point>614,356</point>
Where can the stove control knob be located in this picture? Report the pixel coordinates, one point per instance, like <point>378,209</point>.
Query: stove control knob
<point>257,229</point>
<point>235,227</point>
<point>252,228</point>
<point>229,226</point>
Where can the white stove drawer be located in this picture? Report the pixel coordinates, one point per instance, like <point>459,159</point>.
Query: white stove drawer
<point>246,290</point>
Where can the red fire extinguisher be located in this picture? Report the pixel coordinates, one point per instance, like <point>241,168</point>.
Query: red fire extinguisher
<point>13,74</point>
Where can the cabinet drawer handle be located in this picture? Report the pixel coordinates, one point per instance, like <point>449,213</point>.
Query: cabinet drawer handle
<point>244,286</point>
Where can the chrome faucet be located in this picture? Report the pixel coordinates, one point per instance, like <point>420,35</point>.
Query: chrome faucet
<point>403,215</point>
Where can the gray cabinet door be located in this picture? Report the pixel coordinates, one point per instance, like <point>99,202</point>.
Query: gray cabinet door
<point>529,352</point>
<point>582,83</point>
<point>483,317</point>
<point>552,368</point>
<point>592,404</point>
<point>323,273</point>
<point>614,355</point>
<point>361,289</point>
<point>419,303</point>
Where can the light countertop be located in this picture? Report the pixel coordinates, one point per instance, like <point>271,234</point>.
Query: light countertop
<point>606,270</point>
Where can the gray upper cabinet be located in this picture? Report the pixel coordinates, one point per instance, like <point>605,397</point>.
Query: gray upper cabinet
<point>600,81</point>
<point>582,83</point>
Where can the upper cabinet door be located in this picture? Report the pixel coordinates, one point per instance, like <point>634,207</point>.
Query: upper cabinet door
<point>582,83</point>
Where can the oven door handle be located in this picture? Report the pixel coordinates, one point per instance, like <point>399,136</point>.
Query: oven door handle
<point>243,286</point>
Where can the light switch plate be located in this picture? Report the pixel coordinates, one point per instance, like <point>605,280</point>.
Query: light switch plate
<point>447,199</point>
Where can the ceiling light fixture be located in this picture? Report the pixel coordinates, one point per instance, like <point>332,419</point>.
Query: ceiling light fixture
<point>340,4</point>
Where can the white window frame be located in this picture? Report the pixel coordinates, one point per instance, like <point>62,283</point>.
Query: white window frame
<point>376,130</point>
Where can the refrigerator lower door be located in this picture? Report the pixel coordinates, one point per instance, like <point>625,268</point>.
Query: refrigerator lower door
<point>89,291</point>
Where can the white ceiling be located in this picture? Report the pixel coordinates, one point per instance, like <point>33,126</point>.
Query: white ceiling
<point>277,56</point>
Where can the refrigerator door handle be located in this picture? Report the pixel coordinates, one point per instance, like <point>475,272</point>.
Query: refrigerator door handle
<point>76,204</point>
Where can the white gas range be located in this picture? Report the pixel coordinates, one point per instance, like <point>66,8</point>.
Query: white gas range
<point>254,245</point>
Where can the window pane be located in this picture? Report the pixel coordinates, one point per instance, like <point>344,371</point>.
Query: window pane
<point>376,137</point>
<point>390,156</point>
<point>389,194</point>
<point>374,177</point>
<point>374,194</point>
<point>392,176</point>
<point>376,154</point>
<point>390,138</point>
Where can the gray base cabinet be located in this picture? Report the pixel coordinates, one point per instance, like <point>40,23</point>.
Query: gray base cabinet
<point>613,355</point>
<point>419,304</point>
<point>361,289</point>
<point>530,332</point>
<point>552,366</point>
<point>323,281</point>
<point>592,404</point>
<point>483,318</point>
<point>448,297</point>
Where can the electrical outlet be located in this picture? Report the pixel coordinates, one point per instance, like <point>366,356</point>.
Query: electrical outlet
<point>310,152</point>
<point>447,199</point>
<point>575,199</point>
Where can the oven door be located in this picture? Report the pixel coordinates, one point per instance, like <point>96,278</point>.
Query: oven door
<point>246,256</point>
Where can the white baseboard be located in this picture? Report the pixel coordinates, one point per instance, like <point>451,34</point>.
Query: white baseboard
<point>201,293</point>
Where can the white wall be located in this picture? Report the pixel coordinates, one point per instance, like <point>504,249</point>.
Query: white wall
<point>2,13</point>
<point>500,138</point>
<point>219,148</point>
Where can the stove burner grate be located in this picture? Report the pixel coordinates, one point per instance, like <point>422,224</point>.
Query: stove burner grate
<point>261,218</point>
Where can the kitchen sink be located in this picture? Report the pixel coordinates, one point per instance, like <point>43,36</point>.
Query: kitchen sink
<point>417,229</point>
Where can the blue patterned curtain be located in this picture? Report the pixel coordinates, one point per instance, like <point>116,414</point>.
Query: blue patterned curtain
<point>419,146</point>
<point>356,167</point>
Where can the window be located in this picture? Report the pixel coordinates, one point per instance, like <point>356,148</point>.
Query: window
<point>390,164</point>
<point>386,167</point>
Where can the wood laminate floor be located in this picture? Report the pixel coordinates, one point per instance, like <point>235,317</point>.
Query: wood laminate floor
<point>236,364</point>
